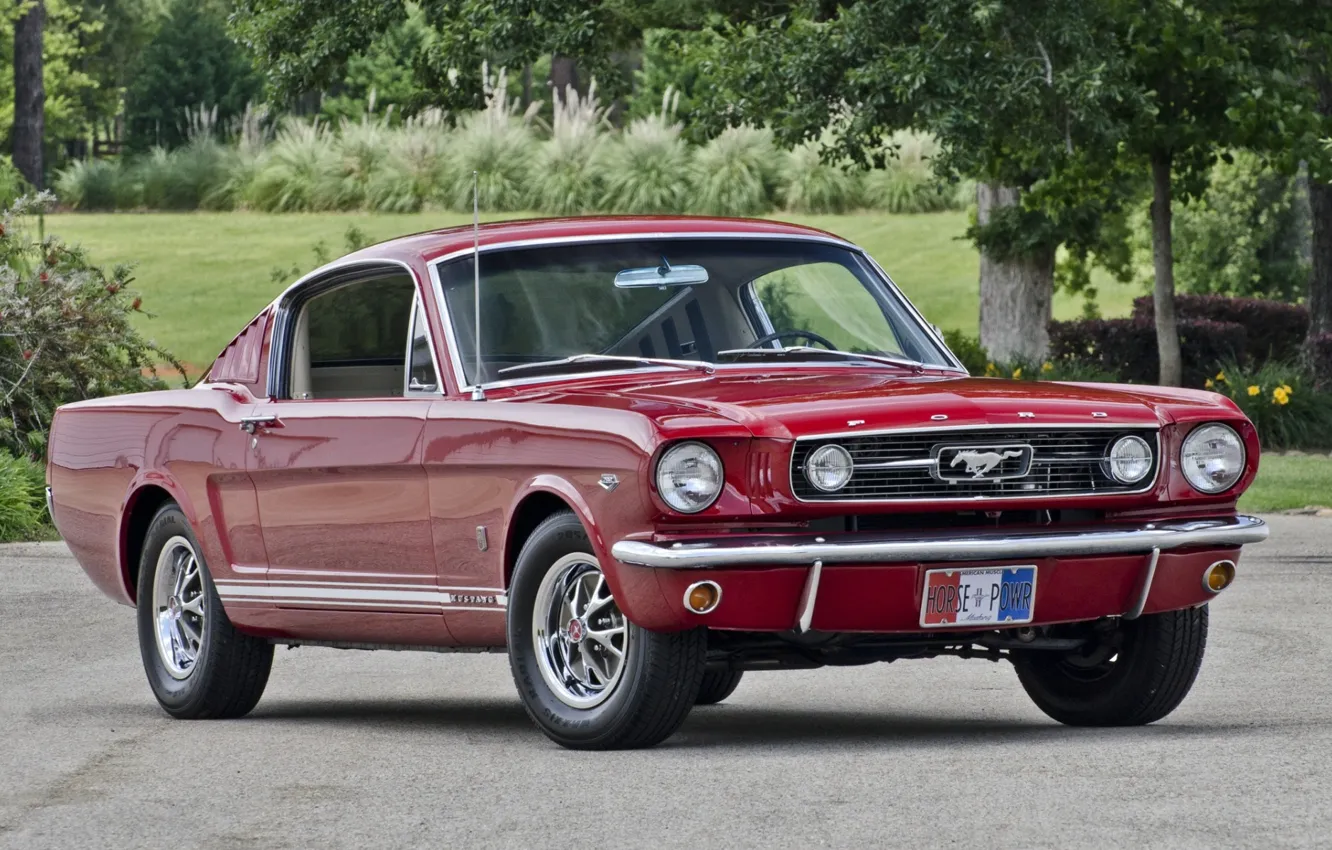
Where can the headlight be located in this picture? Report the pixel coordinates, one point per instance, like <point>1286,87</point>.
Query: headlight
<point>1130,460</point>
<point>1212,458</point>
<point>828,468</point>
<point>689,477</point>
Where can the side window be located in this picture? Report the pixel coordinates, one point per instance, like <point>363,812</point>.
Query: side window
<point>348,342</point>
<point>829,300</point>
<point>421,375</point>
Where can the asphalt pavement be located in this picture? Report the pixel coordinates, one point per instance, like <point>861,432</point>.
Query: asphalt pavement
<point>388,749</point>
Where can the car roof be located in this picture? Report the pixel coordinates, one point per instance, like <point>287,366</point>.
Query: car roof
<point>433,244</point>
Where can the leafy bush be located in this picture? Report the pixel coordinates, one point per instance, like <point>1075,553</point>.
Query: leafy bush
<point>92,185</point>
<point>810,185</point>
<point>1275,330</point>
<point>22,498</point>
<point>907,184</point>
<point>969,350</point>
<point>1281,401</point>
<point>65,332</point>
<point>12,184</point>
<point>1243,236</point>
<point>734,174</point>
<point>1059,369</point>
<point>415,165</point>
<point>183,179</point>
<point>647,167</point>
<point>1127,347</point>
<point>564,176</point>
<point>497,144</point>
<point>360,148</point>
<point>297,172</point>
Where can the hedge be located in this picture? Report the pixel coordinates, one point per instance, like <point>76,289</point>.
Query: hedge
<point>1275,330</point>
<point>1127,347</point>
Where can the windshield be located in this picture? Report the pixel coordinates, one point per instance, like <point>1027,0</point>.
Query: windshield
<point>553,302</point>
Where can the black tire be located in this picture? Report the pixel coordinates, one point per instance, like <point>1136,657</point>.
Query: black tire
<point>1158,657</point>
<point>660,674</point>
<point>718,684</point>
<point>228,675</point>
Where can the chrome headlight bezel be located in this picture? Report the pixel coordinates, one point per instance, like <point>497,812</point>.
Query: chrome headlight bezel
<point>1196,476</point>
<point>1113,457</point>
<point>706,460</point>
<point>831,450</point>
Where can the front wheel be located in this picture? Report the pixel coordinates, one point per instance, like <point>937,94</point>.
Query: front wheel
<point>718,684</point>
<point>588,677</point>
<point>198,665</point>
<point>1129,674</point>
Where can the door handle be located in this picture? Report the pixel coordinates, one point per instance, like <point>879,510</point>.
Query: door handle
<point>413,385</point>
<point>251,424</point>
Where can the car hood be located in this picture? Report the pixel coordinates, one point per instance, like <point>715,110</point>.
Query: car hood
<point>798,403</point>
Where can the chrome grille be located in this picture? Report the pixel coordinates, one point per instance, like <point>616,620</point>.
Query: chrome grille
<point>904,465</point>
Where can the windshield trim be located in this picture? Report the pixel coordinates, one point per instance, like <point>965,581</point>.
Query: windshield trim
<point>455,353</point>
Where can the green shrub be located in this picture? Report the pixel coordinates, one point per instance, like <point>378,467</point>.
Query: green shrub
<point>415,167</point>
<point>1244,235</point>
<point>647,167</point>
<point>968,349</point>
<point>12,184</point>
<point>22,499</point>
<point>182,179</point>
<point>564,175</point>
<point>495,143</point>
<point>734,174</point>
<point>1280,399</point>
<point>810,185</point>
<point>907,183</point>
<point>298,172</point>
<point>65,331</point>
<point>361,148</point>
<point>91,185</point>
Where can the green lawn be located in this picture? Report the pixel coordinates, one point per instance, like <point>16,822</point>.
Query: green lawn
<point>203,275</point>
<point>1290,482</point>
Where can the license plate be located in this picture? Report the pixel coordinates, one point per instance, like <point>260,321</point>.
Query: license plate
<point>979,596</point>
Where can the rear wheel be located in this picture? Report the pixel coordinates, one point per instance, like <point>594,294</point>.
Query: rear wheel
<point>198,665</point>
<point>588,677</point>
<point>1129,674</point>
<point>718,684</point>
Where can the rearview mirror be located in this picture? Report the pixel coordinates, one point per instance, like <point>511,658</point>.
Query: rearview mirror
<point>661,276</point>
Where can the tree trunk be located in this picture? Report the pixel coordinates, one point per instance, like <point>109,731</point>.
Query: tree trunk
<point>563,72</point>
<point>1320,210</point>
<point>1015,293</point>
<point>29,94</point>
<point>1163,263</point>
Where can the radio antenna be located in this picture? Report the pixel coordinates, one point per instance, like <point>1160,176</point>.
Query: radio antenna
<point>478,393</point>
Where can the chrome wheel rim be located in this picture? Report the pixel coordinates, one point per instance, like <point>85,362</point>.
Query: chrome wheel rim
<point>178,607</point>
<point>580,636</point>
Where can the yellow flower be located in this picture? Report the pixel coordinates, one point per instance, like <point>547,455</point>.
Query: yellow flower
<point>1017,373</point>
<point>1254,389</point>
<point>1221,376</point>
<point>990,370</point>
<point>1285,388</point>
<point>1208,383</point>
<point>1280,395</point>
<point>1047,366</point>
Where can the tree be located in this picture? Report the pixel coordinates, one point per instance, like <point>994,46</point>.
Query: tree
<point>191,62</point>
<point>29,131</point>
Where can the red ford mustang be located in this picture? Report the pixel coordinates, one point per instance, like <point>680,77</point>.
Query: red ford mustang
<point>644,456</point>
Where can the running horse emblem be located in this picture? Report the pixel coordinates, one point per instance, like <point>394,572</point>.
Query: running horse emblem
<point>980,463</point>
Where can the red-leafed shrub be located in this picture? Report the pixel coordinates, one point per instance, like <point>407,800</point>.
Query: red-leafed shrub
<point>1275,330</point>
<point>1127,347</point>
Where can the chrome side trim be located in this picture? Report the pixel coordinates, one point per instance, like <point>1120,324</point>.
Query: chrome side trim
<point>1146,590</point>
<point>996,545</point>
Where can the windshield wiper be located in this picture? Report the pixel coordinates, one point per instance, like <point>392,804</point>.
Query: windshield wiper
<point>818,353</point>
<point>584,360</point>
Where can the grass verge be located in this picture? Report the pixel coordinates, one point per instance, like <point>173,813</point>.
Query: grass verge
<point>1289,481</point>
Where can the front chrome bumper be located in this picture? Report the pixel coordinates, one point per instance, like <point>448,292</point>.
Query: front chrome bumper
<point>987,545</point>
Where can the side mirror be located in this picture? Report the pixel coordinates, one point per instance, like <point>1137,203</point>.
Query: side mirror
<point>662,276</point>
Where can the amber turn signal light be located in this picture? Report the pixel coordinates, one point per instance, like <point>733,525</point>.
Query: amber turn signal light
<point>1219,576</point>
<point>702,597</point>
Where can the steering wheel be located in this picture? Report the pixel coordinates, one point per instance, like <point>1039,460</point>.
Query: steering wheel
<point>805,335</point>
